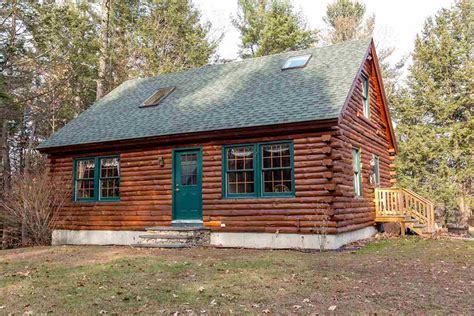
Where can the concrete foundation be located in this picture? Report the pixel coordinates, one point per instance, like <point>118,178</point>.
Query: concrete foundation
<point>230,240</point>
<point>288,241</point>
<point>95,237</point>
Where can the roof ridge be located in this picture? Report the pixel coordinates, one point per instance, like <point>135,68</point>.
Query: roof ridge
<point>245,93</point>
<point>247,60</point>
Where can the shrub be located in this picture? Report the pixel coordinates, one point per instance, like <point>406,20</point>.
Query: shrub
<point>31,207</point>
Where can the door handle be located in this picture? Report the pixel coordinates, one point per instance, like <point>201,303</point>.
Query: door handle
<point>177,189</point>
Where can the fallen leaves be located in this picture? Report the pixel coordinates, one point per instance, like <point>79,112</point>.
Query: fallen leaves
<point>23,274</point>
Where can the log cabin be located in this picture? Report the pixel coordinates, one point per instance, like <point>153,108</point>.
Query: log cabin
<point>293,150</point>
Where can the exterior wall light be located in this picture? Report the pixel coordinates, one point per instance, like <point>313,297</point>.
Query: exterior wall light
<point>161,161</point>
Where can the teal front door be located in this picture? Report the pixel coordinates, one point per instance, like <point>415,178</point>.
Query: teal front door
<point>187,184</point>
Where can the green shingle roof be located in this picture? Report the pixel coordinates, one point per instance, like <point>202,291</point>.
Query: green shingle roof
<point>247,93</point>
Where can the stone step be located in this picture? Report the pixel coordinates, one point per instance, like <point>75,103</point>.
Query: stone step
<point>185,240</point>
<point>184,233</point>
<point>168,236</point>
<point>170,246</point>
<point>160,236</point>
<point>177,228</point>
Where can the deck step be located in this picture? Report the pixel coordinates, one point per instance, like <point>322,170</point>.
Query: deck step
<point>419,226</point>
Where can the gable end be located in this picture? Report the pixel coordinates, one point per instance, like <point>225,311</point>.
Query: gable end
<point>375,74</point>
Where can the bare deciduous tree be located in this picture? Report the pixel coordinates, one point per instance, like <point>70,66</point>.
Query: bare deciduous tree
<point>32,205</point>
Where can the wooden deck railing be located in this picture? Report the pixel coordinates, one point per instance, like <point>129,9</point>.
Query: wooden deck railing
<point>402,202</point>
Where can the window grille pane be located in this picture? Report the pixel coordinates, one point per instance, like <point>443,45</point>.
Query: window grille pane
<point>276,156</point>
<point>85,189</point>
<point>277,180</point>
<point>240,158</point>
<point>240,182</point>
<point>110,188</point>
<point>85,169</point>
<point>109,168</point>
<point>188,169</point>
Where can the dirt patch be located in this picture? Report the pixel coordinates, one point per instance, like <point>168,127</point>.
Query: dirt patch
<point>71,255</point>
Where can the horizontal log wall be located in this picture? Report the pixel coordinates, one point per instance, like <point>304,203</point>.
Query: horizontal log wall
<point>371,136</point>
<point>324,196</point>
<point>146,191</point>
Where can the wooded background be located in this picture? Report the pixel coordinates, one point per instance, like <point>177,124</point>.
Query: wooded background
<point>58,57</point>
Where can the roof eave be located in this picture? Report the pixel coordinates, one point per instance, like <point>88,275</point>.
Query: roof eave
<point>384,96</point>
<point>256,131</point>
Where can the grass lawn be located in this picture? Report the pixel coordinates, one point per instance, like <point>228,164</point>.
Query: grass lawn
<point>409,275</point>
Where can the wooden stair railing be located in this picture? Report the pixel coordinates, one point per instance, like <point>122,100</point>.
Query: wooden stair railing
<point>404,206</point>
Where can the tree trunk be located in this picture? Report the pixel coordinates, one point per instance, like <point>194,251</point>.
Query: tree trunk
<point>464,209</point>
<point>4,171</point>
<point>106,6</point>
<point>5,166</point>
<point>30,147</point>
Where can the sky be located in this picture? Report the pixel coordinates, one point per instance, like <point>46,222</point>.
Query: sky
<point>397,21</point>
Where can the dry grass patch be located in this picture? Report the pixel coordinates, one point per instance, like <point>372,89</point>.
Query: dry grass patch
<point>400,275</point>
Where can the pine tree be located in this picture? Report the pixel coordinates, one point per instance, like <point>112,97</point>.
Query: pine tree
<point>52,52</point>
<point>143,38</point>
<point>346,21</point>
<point>168,36</point>
<point>105,51</point>
<point>271,26</point>
<point>434,113</point>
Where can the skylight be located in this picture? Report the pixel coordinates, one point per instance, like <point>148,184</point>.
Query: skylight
<point>157,97</point>
<point>296,62</point>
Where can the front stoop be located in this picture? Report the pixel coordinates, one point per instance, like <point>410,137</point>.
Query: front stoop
<point>174,237</point>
